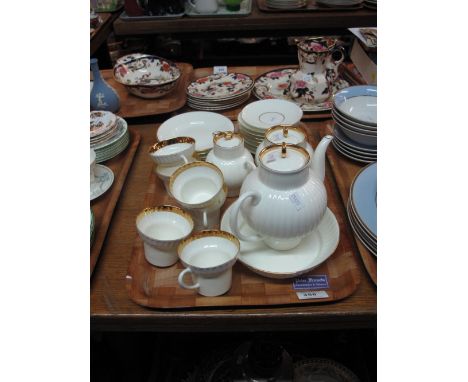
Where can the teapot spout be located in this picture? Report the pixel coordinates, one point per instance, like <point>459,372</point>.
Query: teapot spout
<point>318,164</point>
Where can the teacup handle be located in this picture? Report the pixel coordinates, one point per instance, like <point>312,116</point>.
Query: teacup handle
<point>234,218</point>
<point>180,279</point>
<point>192,3</point>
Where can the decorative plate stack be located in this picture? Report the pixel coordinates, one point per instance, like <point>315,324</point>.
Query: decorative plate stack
<point>286,4</point>
<point>219,91</point>
<point>362,207</point>
<point>257,117</point>
<point>339,3</point>
<point>109,135</point>
<point>355,114</point>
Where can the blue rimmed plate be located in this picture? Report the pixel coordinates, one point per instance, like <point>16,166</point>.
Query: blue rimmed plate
<point>364,198</point>
<point>358,103</point>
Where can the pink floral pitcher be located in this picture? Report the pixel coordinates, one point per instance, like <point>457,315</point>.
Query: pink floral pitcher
<point>313,82</point>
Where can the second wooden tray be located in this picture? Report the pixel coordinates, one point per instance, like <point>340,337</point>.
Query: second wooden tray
<point>103,207</point>
<point>158,288</point>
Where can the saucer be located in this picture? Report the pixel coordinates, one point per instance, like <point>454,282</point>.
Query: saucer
<point>313,250</point>
<point>104,177</point>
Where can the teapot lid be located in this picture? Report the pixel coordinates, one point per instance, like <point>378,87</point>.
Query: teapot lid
<point>284,158</point>
<point>285,133</point>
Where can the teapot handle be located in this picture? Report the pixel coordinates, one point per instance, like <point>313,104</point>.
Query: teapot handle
<point>234,218</point>
<point>343,54</point>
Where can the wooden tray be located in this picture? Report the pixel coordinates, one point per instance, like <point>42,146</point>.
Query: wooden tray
<point>344,171</point>
<point>311,6</point>
<point>103,206</point>
<point>133,106</point>
<point>157,287</point>
<point>256,71</point>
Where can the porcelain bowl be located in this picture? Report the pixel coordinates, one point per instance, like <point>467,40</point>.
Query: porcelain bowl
<point>365,139</point>
<point>146,76</point>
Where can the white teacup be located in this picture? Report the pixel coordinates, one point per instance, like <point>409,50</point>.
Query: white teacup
<point>204,6</point>
<point>162,228</point>
<point>92,165</point>
<point>209,256</point>
<point>199,188</point>
<point>172,152</point>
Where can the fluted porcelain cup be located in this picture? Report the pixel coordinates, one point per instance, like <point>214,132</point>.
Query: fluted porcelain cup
<point>162,228</point>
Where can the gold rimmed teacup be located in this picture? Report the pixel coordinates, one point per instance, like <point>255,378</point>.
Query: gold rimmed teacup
<point>209,256</point>
<point>173,151</point>
<point>199,187</point>
<point>162,228</point>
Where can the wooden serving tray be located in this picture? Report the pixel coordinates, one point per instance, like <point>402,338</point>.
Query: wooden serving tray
<point>158,288</point>
<point>311,6</point>
<point>344,171</point>
<point>257,71</point>
<point>133,106</point>
<point>103,206</point>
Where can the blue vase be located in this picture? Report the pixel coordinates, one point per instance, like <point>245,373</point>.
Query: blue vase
<point>103,96</point>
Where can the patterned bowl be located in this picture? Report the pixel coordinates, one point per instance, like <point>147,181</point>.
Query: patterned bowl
<point>146,76</point>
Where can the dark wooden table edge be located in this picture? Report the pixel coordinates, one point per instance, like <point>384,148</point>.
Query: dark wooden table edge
<point>103,31</point>
<point>234,322</point>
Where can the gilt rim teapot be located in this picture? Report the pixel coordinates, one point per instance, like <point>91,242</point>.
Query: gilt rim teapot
<point>283,199</point>
<point>318,69</point>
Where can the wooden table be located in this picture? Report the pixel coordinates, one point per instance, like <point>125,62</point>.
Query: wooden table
<point>112,309</point>
<point>265,23</point>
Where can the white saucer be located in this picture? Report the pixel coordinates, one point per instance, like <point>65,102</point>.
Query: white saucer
<point>104,177</point>
<point>313,250</point>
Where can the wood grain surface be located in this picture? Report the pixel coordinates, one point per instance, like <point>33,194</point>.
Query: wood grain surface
<point>158,288</point>
<point>133,106</point>
<point>344,171</point>
<point>103,206</point>
<point>257,71</point>
<point>112,309</point>
<point>311,6</point>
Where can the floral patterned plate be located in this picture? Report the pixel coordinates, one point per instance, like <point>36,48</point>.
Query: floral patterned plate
<point>220,86</point>
<point>275,85</point>
<point>101,122</point>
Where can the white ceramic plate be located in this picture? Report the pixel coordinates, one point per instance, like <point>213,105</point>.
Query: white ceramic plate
<point>104,177</point>
<point>360,139</point>
<point>270,112</point>
<point>363,197</point>
<point>353,124</point>
<point>352,151</point>
<point>220,86</point>
<point>358,103</point>
<point>313,250</point>
<point>199,125</point>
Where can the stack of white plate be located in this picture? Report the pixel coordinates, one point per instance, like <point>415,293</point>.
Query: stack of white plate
<point>219,91</point>
<point>286,4</point>
<point>257,117</point>
<point>199,125</point>
<point>362,207</point>
<point>109,135</point>
<point>339,3</point>
<point>355,114</point>
<point>371,4</point>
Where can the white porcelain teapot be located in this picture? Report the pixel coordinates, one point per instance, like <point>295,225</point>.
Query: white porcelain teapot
<point>284,199</point>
